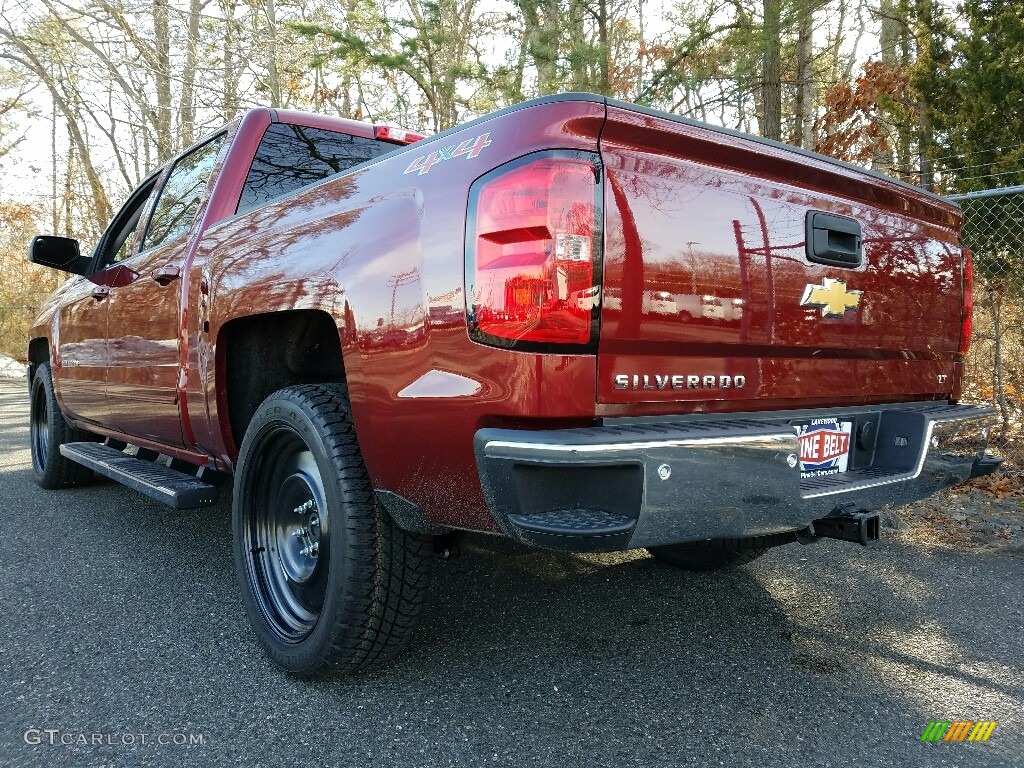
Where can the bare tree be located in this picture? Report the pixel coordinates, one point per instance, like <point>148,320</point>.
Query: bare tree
<point>18,51</point>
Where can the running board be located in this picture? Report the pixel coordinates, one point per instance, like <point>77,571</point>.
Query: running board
<point>169,486</point>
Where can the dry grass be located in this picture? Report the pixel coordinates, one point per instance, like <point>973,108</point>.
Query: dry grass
<point>14,325</point>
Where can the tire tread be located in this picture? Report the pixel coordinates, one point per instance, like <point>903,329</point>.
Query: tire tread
<point>60,471</point>
<point>389,570</point>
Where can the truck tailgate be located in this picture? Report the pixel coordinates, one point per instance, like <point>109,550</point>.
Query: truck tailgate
<point>710,297</point>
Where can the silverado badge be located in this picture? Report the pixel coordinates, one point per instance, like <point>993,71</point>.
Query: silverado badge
<point>832,297</point>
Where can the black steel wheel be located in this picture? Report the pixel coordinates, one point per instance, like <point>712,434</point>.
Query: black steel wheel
<point>713,554</point>
<point>288,535</point>
<point>329,582</point>
<point>48,430</point>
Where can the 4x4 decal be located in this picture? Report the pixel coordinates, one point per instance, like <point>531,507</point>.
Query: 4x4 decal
<point>469,149</point>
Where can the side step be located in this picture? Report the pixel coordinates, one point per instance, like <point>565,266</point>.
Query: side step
<point>169,486</point>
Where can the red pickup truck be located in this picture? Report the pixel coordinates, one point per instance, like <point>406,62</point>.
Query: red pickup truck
<point>576,322</point>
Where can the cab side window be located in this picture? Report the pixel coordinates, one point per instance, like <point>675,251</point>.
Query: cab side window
<point>182,195</point>
<point>118,241</point>
<point>293,156</point>
<point>125,241</point>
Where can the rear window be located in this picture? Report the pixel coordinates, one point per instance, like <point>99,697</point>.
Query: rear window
<point>291,157</point>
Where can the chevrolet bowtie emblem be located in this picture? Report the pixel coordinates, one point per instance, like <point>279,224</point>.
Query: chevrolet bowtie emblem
<point>832,297</point>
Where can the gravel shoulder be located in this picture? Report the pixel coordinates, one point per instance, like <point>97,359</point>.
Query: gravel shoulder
<point>121,617</point>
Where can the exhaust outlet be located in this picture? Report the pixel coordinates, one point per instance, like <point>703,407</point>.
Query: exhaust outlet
<point>847,525</point>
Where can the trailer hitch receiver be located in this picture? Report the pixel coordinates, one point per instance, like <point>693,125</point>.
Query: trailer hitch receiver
<point>847,524</point>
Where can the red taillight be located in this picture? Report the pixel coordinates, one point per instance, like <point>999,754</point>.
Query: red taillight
<point>968,303</point>
<point>396,135</point>
<point>532,248</point>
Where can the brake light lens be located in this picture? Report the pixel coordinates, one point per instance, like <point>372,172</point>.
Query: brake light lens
<point>396,135</point>
<point>967,314</point>
<point>532,252</point>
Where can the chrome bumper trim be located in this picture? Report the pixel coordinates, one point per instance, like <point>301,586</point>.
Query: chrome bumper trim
<point>727,478</point>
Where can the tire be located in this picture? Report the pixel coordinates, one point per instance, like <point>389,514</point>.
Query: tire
<point>718,553</point>
<point>48,431</point>
<point>329,582</point>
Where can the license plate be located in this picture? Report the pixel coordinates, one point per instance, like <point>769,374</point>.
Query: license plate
<point>824,447</point>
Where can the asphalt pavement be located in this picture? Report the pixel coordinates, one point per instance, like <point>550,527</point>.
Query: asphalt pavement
<point>122,635</point>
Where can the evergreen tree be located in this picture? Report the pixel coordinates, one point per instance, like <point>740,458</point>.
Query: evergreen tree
<point>979,99</point>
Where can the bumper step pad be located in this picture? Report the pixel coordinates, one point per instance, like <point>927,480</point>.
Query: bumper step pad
<point>168,486</point>
<point>575,530</point>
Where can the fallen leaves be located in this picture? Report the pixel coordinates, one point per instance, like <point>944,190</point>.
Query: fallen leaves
<point>1004,484</point>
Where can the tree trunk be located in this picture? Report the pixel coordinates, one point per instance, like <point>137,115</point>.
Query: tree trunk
<point>925,139</point>
<point>69,216</point>
<point>162,59</point>
<point>889,41</point>
<point>229,81</point>
<point>1000,386</point>
<point>273,77</point>
<point>604,44</point>
<point>575,40</point>
<point>924,22</point>
<point>540,19</point>
<point>805,91</point>
<point>187,106</point>
<point>346,78</point>
<point>54,211</point>
<point>771,71</point>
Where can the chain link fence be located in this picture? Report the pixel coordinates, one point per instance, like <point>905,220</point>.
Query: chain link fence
<point>994,231</point>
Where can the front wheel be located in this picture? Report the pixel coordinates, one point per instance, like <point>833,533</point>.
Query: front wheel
<point>48,430</point>
<point>329,582</point>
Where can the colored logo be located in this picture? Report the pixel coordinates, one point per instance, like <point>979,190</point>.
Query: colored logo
<point>824,447</point>
<point>468,149</point>
<point>831,297</point>
<point>959,730</point>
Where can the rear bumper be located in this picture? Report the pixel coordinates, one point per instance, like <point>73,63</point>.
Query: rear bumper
<point>642,484</point>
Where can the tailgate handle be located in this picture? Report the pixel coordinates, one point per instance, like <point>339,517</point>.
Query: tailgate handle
<point>833,240</point>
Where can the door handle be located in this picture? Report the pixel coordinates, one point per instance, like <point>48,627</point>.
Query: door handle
<point>100,292</point>
<point>833,240</point>
<point>165,275</point>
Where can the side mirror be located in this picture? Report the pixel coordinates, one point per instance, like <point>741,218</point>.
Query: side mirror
<point>58,252</point>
